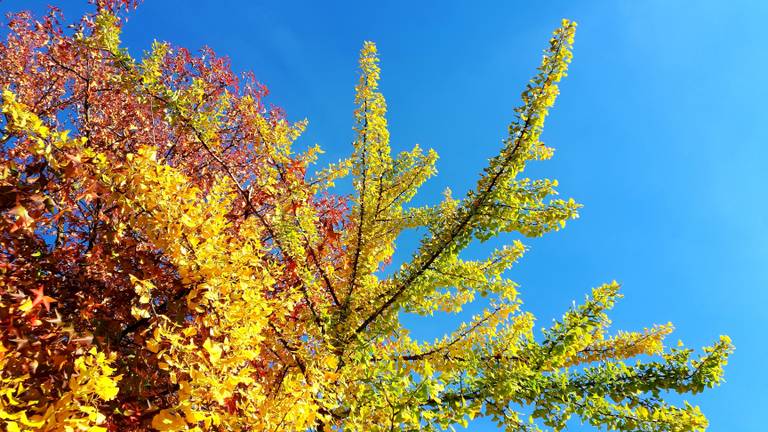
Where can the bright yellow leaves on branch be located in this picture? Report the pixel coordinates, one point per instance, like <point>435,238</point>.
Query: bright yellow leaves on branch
<point>77,408</point>
<point>192,277</point>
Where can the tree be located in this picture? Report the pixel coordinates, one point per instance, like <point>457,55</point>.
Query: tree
<point>169,264</point>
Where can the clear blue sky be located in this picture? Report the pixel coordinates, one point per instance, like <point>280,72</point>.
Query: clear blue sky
<point>660,131</point>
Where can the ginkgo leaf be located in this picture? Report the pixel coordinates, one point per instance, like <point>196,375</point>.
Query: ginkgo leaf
<point>214,350</point>
<point>167,420</point>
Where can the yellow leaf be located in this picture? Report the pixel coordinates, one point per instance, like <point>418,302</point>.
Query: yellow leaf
<point>153,346</point>
<point>26,306</point>
<point>165,420</point>
<point>106,387</point>
<point>331,362</point>
<point>191,415</point>
<point>214,350</point>
<point>22,216</point>
<point>139,312</point>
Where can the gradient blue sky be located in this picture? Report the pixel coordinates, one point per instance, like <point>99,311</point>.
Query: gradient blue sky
<point>660,132</point>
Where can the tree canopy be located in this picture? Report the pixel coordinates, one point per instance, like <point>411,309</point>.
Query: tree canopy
<point>170,262</point>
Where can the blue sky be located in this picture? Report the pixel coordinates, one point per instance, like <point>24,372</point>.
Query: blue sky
<point>660,132</point>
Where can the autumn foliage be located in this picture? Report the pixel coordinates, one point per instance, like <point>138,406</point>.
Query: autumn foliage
<point>169,262</point>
